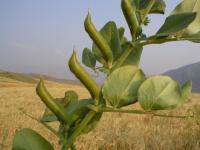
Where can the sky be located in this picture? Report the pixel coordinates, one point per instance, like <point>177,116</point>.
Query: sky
<point>38,36</point>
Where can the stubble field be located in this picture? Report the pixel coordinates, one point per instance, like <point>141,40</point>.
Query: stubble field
<point>114,132</point>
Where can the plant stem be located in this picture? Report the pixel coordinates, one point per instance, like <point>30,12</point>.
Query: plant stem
<point>81,126</point>
<point>107,109</point>
<point>140,112</point>
<point>149,41</point>
<point>172,116</point>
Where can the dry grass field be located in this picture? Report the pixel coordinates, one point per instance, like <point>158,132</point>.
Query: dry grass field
<point>114,132</point>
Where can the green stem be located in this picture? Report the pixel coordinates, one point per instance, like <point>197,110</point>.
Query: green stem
<point>107,109</point>
<point>172,116</point>
<point>81,126</point>
<point>140,112</point>
<point>149,41</point>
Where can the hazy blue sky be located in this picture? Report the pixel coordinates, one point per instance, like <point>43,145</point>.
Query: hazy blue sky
<point>39,35</point>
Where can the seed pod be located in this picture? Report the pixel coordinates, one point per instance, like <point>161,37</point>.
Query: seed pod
<point>131,17</point>
<point>98,40</point>
<point>83,76</point>
<point>50,102</point>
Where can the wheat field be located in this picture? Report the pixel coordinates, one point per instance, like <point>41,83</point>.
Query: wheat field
<point>114,132</point>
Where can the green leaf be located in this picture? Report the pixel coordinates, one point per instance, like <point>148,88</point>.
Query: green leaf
<point>158,7</point>
<point>120,88</point>
<point>27,139</point>
<point>161,92</point>
<point>176,23</point>
<point>48,116</point>
<point>88,58</point>
<point>131,56</point>
<point>92,124</point>
<point>78,110</point>
<point>111,35</point>
<point>121,31</point>
<point>122,38</point>
<point>134,56</point>
<point>78,113</point>
<point>190,6</point>
<point>186,89</point>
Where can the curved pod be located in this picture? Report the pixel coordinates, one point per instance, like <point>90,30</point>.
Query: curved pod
<point>50,102</point>
<point>130,16</point>
<point>99,40</point>
<point>83,76</point>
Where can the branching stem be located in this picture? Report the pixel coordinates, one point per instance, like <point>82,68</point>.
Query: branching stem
<point>139,112</point>
<point>149,41</point>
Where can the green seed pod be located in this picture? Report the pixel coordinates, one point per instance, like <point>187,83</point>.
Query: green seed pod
<point>83,76</point>
<point>131,17</point>
<point>50,102</point>
<point>98,40</point>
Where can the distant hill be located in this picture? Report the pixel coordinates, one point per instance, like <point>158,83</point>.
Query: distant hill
<point>18,77</point>
<point>50,78</point>
<point>33,78</point>
<point>185,73</point>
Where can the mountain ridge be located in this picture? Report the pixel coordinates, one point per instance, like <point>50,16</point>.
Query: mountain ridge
<point>185,73</point>
<point>33,78</point>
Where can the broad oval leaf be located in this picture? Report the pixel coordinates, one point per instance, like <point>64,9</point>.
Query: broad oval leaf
<point>190,6</point>
<point>121,86</point>
<point>88,58</point>
<point>176,23</point>
<point>161,92</point>
<point>27,139</point>
<point>111,35</point>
